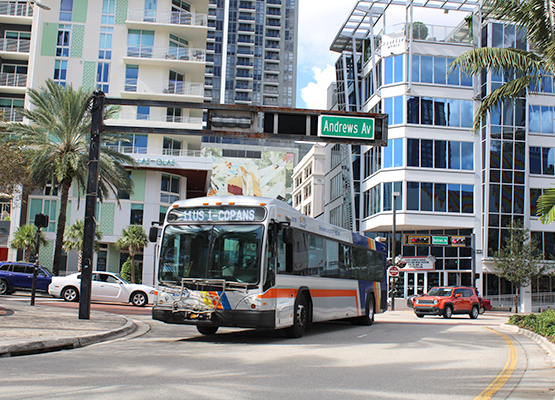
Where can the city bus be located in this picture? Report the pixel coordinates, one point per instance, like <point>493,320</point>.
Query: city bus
<point>253,262</point>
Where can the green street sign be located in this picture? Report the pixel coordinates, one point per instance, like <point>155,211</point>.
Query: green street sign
<point>440,240</point>
<point>346,127</point>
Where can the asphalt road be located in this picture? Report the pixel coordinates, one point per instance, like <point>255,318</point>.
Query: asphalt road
<point>399,357</point>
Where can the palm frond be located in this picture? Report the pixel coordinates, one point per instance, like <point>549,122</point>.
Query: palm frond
<point>546,206</point>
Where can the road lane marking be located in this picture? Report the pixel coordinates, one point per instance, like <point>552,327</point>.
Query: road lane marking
<point>504,376</point>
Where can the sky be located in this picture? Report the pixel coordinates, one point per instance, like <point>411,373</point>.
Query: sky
<point>319,23</point>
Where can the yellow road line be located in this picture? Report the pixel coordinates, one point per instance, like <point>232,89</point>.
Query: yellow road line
<point>504,376</point>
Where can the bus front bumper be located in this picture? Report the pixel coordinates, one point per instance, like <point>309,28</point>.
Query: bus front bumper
<point>231,318</point>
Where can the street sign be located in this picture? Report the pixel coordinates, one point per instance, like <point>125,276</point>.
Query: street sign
<point>440,240</point>
<point>346,127</point>
<point>393,271</point>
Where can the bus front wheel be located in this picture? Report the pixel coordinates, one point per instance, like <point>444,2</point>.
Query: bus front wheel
<point>300,319</point>
<point>207,330</point>
<point>368,318</point>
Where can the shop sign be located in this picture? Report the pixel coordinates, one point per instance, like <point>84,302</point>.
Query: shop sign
<point>160,162</point>
<point>417,264</point>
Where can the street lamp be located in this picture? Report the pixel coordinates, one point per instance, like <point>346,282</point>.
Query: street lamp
<point>393,247</point>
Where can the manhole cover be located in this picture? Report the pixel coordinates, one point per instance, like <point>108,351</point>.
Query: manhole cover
<point>4,312</point>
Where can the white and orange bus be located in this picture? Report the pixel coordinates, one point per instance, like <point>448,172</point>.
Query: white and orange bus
<point>253,262</point>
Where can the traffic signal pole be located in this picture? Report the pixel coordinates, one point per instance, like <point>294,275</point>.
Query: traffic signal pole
<point>97,112</point>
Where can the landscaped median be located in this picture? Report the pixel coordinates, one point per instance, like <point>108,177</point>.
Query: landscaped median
<point>543,324</point>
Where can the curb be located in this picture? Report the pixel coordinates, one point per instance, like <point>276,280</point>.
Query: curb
<point>49,344</point>
<point>540,340</point>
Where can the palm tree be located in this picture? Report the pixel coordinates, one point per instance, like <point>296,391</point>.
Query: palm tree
<point>529,67</point>
<point>537,18</point>
<point>133,239</point>
<point>25,238</point>
<point>74,240</point>
<point>58,137</point>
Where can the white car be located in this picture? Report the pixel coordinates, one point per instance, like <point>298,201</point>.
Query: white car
<point>106,286</point>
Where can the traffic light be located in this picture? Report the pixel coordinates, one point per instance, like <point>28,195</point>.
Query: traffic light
<point>458,241</point>
<point>419,240</point>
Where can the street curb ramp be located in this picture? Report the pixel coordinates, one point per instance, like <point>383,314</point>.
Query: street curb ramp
<point>49,344</point>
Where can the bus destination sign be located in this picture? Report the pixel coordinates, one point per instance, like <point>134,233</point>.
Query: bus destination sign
<point>217,214</point>
<point>346,127</point>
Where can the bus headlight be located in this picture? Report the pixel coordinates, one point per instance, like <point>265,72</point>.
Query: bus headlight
<point>251,302</point>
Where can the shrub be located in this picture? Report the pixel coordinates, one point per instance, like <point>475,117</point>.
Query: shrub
<point>543,324</point>
<point>126,271</point>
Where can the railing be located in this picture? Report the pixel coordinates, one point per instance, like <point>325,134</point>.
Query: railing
<point>167,17</point>
<point>270,102</point>
<point>10,114</point>
<point>13,80</point>
<point>167,53</point>
<point>15,45</point>
<point>130,116</point>
<point>431,33</point>
<point>543,300</point>
<point>159,152</point>
<point>167,87</point>
<point>16,8</point>
<point>504,300</point>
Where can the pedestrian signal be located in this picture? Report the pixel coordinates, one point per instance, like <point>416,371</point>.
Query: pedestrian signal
<point>419,240</point>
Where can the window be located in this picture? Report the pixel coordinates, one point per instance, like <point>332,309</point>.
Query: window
<point>178,48</point>
<point>169,188</point>
<point>373,160</point>
<point>172,146</point>
<point>46,207</point>
<point>143,112</point>
<point>393,106</point>
<point>336,185</point>
<point>105,46</point>
<point>393,69</point>
<point>66,10</point>
<point>131,78</point>
<point>393,154</point>
<point>103,77</point>
<point>136,214</point>
<point>62,45</point>
<point>540,119</point>
<point>139,43</point>
<point>17,41</point>
<point>440,197</point>
<point>440,154</point>
<point>8,107</point>
<point>335,216</point>
<point>542,160</point>
<point>60,72</point>
<point>428,69</point>
<point>108,12</point>
<point>444,112</point>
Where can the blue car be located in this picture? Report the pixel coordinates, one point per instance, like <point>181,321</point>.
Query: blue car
<point>19,276</point>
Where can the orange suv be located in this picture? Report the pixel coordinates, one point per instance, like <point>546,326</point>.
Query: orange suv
<point>448,300</point>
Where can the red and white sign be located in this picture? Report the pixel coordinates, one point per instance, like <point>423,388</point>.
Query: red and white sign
<point>393,271</point>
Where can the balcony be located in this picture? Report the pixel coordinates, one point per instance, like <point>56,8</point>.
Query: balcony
<point>189,25</point>
<point>431,33</point>
<point>15,49</point>
<point>163,90</point>
<point>16,12</point>
<point>11,114</point>
<point>131,118</point>
<point>180,59</point>
<point>13,83</point>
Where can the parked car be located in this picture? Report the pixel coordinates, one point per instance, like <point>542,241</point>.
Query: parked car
<point>411,299</point>
<point>448,300</point>
<point>19,276</point>
<point>106,286</point>
<point>485,305</point>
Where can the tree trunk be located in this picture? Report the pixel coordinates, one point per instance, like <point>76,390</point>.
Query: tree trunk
<point>64,191</point>
<point>132,254</point>
<point>517,298</point>
<point>27,254</point>
<point>79,260</point>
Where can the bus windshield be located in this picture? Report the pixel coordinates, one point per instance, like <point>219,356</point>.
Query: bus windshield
<point>230,252</point>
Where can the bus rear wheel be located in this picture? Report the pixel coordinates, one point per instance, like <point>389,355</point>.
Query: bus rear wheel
<point>300,319</point>
<point>207,330</point>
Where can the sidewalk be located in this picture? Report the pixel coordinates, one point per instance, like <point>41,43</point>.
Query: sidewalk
<point>26,329</point>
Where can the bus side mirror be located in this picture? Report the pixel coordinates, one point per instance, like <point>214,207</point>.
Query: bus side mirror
<point>288,235</point>
<point>153,234</point>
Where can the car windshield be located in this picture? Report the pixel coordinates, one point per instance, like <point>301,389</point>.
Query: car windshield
<point>440,292</point>
<point>48,272</point>
<point>230,252</point>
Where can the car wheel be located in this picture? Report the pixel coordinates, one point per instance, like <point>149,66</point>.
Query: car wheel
<point>139,299</point>
<point>207,330</point>
<point>70,294</point>
<point>420,315</point>
<point>300,319</point>
<point>448,313</point>
<point>4,287</point>
<point>474,312</point>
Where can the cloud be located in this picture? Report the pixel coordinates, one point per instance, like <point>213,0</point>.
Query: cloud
<point>314,94</point>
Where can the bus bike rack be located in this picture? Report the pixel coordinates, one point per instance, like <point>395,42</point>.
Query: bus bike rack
<point>203,302</point>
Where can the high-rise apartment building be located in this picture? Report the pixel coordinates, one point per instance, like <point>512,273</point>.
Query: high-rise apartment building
<point>445,180</point>
<point>252,52</point>
<point>134,49</point>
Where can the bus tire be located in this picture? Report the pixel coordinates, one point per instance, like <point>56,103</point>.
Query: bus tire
<point>300,318</point>
<point>207,330</point>
<point>368,318</point>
